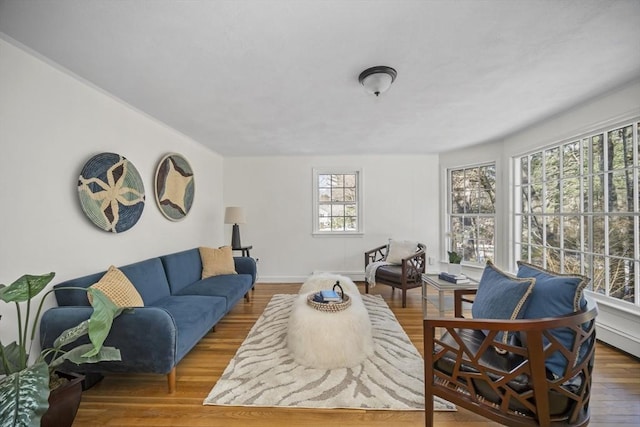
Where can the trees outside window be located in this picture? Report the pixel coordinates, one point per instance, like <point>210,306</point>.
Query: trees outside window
<point>576,209</point>
<point>337,207</point>
<point>471,212</point>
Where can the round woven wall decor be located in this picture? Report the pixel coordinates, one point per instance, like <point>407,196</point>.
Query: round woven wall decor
<point>174,186</point>
<point>111,192</point>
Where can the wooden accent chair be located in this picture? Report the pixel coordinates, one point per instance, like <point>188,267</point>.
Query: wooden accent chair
<point>513,388</point>
<point>405,275</point>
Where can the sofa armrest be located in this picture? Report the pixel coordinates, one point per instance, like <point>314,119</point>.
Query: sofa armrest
<point>145,336</point>
<point>246,265</point>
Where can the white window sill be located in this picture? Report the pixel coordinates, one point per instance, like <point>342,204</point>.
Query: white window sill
<point>337,234</point>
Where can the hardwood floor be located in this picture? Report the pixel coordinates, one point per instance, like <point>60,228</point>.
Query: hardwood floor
<point>142,400</point>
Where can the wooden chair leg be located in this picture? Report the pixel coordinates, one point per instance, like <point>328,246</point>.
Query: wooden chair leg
<point>171,380</point>
<point>366,287</point>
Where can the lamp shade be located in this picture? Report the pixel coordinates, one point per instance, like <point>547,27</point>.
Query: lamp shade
<point>234,215</point>
<point>378,79</point>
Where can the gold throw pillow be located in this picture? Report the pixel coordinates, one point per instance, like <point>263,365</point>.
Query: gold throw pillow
<point>216,262</point>
<point>118,288</point>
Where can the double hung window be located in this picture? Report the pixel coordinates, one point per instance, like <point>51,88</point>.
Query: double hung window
<point>576,209</point>
<point>471,212</point>
<point>337,205</point>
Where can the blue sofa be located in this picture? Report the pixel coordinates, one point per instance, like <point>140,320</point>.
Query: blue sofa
<point>179,309</point>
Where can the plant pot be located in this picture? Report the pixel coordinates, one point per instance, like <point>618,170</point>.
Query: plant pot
<point>455,269</point>
<point>63,402</point>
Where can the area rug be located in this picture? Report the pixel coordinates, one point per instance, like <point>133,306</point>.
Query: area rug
<point>262,373</point>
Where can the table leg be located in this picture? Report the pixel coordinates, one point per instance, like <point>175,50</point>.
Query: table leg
<point>441,303</point>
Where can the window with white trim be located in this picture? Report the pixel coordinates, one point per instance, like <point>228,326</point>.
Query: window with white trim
<point>471,212</point>
<point>576,209</point>
<point>336,201</point>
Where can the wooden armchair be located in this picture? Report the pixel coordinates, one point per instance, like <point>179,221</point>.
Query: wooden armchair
<point>514,388</point>
<point>406,275</point>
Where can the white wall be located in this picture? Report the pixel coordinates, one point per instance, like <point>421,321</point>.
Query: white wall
<point>50,125</point>
<point>618,325</point>
<point>400,196</point>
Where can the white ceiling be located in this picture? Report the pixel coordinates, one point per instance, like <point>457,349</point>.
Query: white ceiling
<point>280,77</point>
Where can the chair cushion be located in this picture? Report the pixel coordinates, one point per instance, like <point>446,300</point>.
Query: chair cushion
<point>501,296</point>
<point>392,275</point>
<point>554,295</point>
<point>559,402</point>
<point>400,249</point>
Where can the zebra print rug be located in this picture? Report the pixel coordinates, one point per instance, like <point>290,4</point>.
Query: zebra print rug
<point>262,373</point>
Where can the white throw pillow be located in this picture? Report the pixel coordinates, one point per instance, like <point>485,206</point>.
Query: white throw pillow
<point>399,249</point>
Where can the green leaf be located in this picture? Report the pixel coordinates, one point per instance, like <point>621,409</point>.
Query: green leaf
<point>77,356</point>
<point>25,288</point>
<point>11,357</point>
<point>104,311</point>
<point>24,396</point>
<point>71,334</point>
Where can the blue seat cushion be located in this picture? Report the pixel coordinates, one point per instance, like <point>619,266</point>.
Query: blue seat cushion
<point>194,316</point>
<point>232,287</point>
<point>554,295</point>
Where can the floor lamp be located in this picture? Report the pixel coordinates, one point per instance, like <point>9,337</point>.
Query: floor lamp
<point>234,215</point>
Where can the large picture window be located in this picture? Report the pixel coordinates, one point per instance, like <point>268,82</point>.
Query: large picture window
<point>576,209</point>
<point>471,212</point>
<point>337,206</point>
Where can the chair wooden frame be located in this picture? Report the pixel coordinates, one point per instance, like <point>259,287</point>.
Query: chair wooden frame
<point>470,374</point>
<point>410,271</point>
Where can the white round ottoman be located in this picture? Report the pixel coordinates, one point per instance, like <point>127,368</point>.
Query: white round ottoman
<point>328,340</point>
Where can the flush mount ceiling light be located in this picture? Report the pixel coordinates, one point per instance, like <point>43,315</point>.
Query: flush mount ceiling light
<point>378,79</point>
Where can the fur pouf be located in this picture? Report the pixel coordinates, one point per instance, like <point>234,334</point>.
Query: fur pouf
<point>328,340</point>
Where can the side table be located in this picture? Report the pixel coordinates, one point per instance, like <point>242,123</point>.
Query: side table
<point>442,286</point>
<point>245,250</point>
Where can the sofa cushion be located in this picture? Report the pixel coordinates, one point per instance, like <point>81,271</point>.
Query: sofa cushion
<point>194,315</point>
<point>149,279</point>
<point>501,296</point>
<point>117,287</point>
<point>75,297</point>
<point>232,287</point>
<point>182,268</point>
<point>554,295</point>
<point>217,261</point>
<point>400,249</point>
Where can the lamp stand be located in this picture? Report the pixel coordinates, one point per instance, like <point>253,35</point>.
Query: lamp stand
<point>235,237</point>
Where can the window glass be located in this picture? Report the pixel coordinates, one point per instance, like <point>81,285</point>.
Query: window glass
<point>336,201</point>
<point>472,194</point>
<point>576,208</point>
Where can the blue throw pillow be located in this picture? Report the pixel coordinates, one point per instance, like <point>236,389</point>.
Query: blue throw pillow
<point>554,295</point>
<point>501,296</point>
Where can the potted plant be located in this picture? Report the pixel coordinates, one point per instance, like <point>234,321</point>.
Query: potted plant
<point>25,378</point>
<point>454,263</point>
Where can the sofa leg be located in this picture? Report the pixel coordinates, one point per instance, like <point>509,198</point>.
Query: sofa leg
<point>171,380</point>
<point>247,297</point>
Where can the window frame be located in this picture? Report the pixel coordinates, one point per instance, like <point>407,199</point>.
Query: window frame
<point>449,238</point>
<point>585,251</point>
<point>342,170</point>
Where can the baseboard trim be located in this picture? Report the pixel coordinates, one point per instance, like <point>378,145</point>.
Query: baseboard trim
<point>356,276</point>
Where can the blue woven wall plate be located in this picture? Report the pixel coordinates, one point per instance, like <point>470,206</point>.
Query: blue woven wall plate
<point>111,192</point>
<point>174,186</point>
